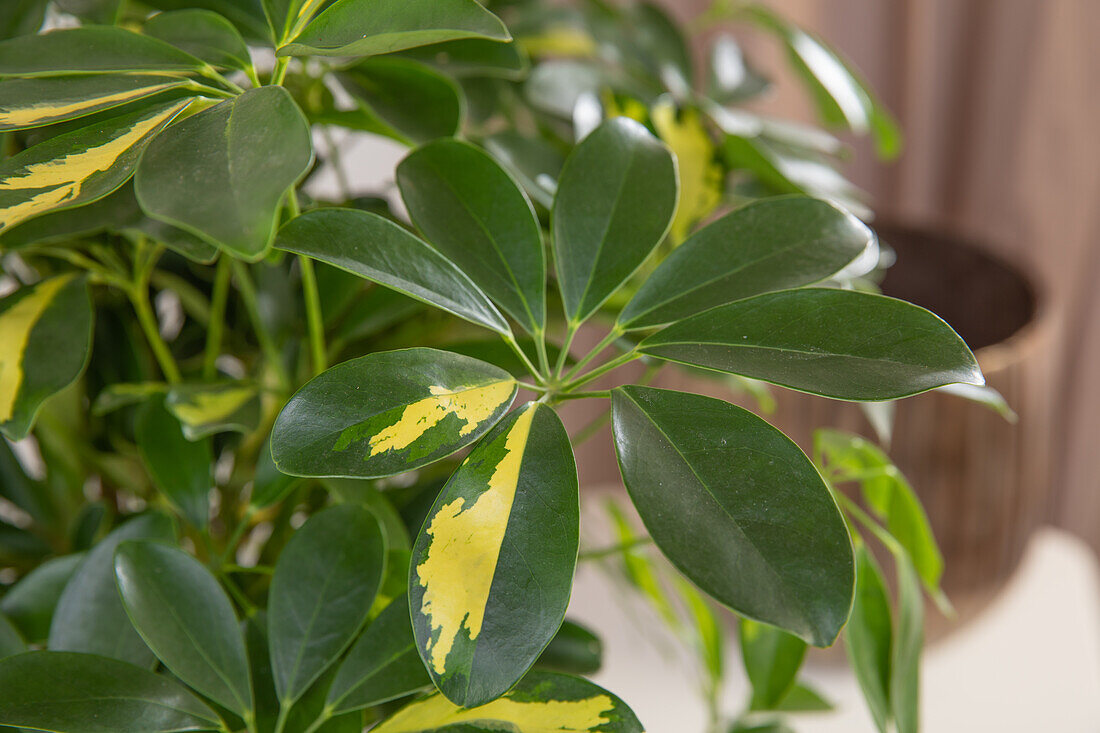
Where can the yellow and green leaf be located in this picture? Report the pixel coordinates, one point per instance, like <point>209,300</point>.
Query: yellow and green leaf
<point>701,175</point>
<point>26,103</point>
<point>92,49</point>
<point>506,522</point>
<point>205,409</point>
<point>389,412</point>
<point>45,338</point>
<point>79,166</point>
<point>543,702</point>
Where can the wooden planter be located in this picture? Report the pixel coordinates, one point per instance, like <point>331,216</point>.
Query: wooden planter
<point>984,481</point>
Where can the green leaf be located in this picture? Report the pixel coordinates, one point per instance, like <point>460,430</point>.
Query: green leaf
<point>837,343</point>
<point>737,507</point>
<point>473,212</point>
<point>369,27</point>
<point>615,201</point>
<point>768,245</point>
<point>477,57</point>
<point>45,339</point>
<point>804,699</point>
<point>535,163</point>
<point>78,167</point>
<point>181,469</point>
<point>185,617</point>
<point>389,412</point>
<point>12,643</point>
<point>91,49</point>
<point>83,693</point>
<point>92,11</point>
<point>30,603</point>
<point>506,523</point>
<point>889,496</point>
<point>270,485</point>
<point>124,394</point>
<point>772,659</point>
<point>21,490</point>
<point>213,174</point>
<point>247,15</point>
<point>323,587</point>
<point>379,250</point>
<point>206,409</point>
<point>542,701</point>
<point>89,616</point>
<point>203,34</point>
<point>908,641</point>
<point>731,78</point>
<point>37,102</point>
<point>868,638</point>
<point>575,649</point>
<point>382,666</point>
<point>21,17</point>
<point>404,99</point>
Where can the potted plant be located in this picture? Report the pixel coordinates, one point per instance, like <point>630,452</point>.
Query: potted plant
<point>222,531</point>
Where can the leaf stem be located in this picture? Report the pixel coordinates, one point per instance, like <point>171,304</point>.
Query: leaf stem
<point>609,339</point>
<point>532,387</point>
<point>218,300</point>
<point>278,75</point>
<point>144,260</point>
<point>563,356</point>
<point>615,549</point>
<point>867,521</point>
<point>595,394</point>
<point>267,345</point>
<point>540,349</point>
<point>602,369</point>
<point>284,713</point>
<point>323,718</point>
<point>514,345</point>
<point>314,318</point>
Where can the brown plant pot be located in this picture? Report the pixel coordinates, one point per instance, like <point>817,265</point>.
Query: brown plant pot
<point>983,480</point>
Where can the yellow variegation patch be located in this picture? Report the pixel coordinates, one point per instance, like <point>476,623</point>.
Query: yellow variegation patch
<point>52,183</point>
<point>470,404</point>
<point>551,716</point>
<point>207,407</point>
<point>560,42</point>
<point>16,324</point>
<point>479,531</point>
<point>35,114</point>
<point>700,174</point>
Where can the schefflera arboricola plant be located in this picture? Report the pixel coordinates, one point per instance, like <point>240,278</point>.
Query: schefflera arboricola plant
<point>136,148</point>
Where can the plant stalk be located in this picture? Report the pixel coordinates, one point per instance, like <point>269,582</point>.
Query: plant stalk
<point>218,301</point>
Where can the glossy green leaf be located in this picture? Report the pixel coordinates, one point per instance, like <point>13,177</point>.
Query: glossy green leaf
<point>247,15</point>
<point>768,245</point>
<point>181,469</point>
<point>84,693</point>
<point>473,212</point>
<point>45,339</point>
<point>114,212</point>
<point>21,17</point>
<point>12,643</point>
<point>575,649</point>
<point>92,11</point>
<point>205,409</point>
<point>28,103</point>
<point>213,174</point>
<point>541,701</point>
<point>30,603</point>
<point>90,616</point>
<point>889,496</point>
<point>323,587</point>
<point>908,643</point>
<point>737,507</point>
<point>383,664</point>
<point>535,163</point>
<point>375,311</point>
<point>389,412</point>
<point>506,522</point>
<point>379,250</point>
<point>203,34</point>
<point>868,638</point>
<point>404,99</point>
<point>184,616</point>
<point>731,78</point>
<point>772,659</point>
<point>983,395</point>
<point>615,201</point>
<point>91,49</point>
<point>473,57</point>
<point>368,27</point>
<point>837,343</point>
<point>78,167</point>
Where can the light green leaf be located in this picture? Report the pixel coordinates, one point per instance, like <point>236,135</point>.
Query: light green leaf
<point>737,507</point>
<point>868,638</point>
<point>206,409</point>
<point>615,201</point>
<point>324,584</point>
<point>772,659</point>
<point>506,522</point>
<point>837,343</point>
<point>908,642</point>
<point>185,617</point>
<point>116,396</point>
<point>231,185</point>
<point>804,699</point>
<point>45,339</point>
<point>379,250</point>
<point>768,245</point>
<point>91,49</point>
<point>36,102</point>
<point>369,27</point>
<point>181,469</point>
<point>203,34</point>
<point>476,215</point>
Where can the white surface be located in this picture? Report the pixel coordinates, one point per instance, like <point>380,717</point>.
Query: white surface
<point>1030,663</point>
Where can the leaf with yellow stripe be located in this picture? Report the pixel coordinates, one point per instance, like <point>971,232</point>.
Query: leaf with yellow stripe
<point>543,702</point>
<point>26,103</point>
<point>45,337</point>
<point>701,175</point>
<point>389,412</point>
<point>493,565</point>
<point>92,49</point>
<point>205,409</point>
<point>79,166</point>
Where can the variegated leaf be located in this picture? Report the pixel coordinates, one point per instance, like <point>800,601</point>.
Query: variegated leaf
<point>91,49</point>
<point>45,337</point>
<point>28,103</point>
<point>205,409</point>
<point>79,166</point>
<point>493,566</point>
<point>389,412</point>
<point>543,702</point>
